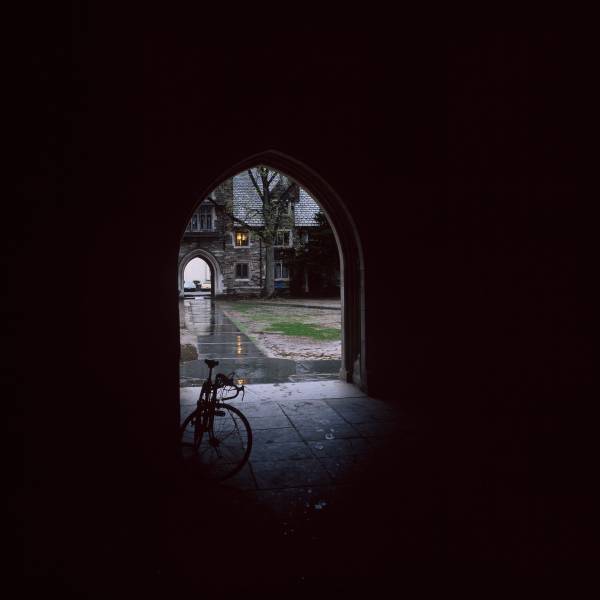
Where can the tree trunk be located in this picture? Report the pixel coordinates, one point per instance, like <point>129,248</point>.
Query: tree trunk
<point>269,271</point>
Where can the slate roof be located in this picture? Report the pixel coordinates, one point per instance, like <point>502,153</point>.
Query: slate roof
<point>247,203</point>
<point>305,210</point>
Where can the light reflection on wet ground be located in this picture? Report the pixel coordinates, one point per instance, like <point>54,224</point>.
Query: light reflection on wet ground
<point>317,487</point>
<point>219,338</point>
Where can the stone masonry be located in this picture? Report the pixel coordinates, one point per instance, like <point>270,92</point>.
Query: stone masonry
<point>239,269</point>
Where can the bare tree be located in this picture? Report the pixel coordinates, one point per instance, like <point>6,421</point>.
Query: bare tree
<point>276,193</point>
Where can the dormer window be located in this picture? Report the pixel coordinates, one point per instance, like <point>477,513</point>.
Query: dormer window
<point>241,239</point>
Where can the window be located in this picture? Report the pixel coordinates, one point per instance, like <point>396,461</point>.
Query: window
<point>241,271</point>
<point>205,217</point>
<point>201,220</point>
<point>281,270</point>
<point>241,239</point>
<point>282,238</point>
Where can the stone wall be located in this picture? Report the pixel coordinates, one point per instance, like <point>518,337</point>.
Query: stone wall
<point>250,255</point>
<point>219,244</point>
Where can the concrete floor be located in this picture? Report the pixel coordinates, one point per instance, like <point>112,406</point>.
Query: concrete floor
<point>309,434</point>
<point>320,481</point>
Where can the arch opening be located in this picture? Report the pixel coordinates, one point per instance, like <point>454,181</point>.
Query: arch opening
<point>197,277</point>
<point>217,250</point>
<point>216,276</point>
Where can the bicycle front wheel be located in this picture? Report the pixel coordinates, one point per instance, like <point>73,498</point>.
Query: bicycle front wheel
<point>223,449</point>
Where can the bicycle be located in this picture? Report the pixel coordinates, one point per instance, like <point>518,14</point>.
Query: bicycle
<point>216,438</point>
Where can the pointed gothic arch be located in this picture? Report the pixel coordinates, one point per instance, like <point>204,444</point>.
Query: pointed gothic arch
<point>352,286</point>
<point>216,274</point>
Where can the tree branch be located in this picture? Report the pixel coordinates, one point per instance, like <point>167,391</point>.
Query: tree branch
<point>286,193</point>
<point>261,194</point>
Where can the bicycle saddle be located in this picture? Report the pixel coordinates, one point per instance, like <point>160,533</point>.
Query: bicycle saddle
<point>211,363</point>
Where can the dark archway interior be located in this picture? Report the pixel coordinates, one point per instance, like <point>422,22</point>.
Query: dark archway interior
<point>453,157</point>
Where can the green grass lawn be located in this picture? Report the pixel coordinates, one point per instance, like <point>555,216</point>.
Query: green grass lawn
<point>257,317</point>
<point>245,307</point>
<point>305,330</point>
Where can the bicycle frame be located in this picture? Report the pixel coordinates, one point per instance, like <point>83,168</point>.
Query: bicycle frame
<point>229,442</point>
<point>206,414</point>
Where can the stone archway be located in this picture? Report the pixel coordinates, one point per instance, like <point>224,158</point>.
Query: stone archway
<point>216,274</point>
<point>354,351</point>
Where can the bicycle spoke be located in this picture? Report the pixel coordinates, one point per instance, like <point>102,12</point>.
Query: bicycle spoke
<point>219,445</point>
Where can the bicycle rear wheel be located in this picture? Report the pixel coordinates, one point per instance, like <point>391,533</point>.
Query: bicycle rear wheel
<point>221,452</point>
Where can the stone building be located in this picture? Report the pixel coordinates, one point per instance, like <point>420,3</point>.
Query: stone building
<point>235,254</point>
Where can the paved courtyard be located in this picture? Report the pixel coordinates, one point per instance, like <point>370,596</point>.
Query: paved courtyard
<point>329,490</point>
<point>206,332</point>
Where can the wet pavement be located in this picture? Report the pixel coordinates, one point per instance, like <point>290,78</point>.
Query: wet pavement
<point>316,491</point>
<point>315,502</point>
<point>217,337</point>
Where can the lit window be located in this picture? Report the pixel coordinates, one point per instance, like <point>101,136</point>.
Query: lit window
<point>281,270</point>
<point>194,222</point>
<point>241,271</point>
<point>241,239</point>
<point>282,238</point>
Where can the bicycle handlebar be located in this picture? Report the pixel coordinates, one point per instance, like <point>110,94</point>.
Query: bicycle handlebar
<point>222,380</point>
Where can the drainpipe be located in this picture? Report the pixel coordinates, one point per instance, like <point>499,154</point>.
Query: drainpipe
<point>260,257</point>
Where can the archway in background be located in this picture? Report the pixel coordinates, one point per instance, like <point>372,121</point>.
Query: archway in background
<point>354,359</point>
<point>198,272</point>
<point>216,274</point>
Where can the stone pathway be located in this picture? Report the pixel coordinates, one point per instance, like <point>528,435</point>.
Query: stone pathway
<point>219,338</point>
<point>320,303</point>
